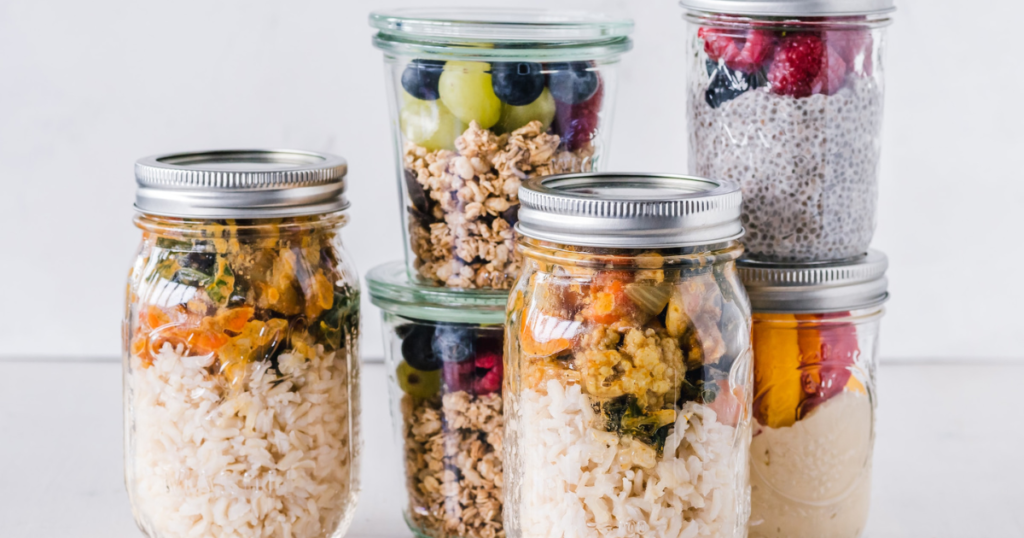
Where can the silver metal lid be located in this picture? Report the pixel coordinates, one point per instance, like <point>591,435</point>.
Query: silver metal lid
<point>850,284</point>
<point>794,8</point>
<point>619,210</point>
<point>241,184</point>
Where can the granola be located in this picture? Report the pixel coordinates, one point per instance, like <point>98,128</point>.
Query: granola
<point>463,204</point>
<point>453,464</point>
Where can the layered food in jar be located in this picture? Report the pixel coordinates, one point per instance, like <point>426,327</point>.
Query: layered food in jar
<point>474,118</point>
<point>627,392</point>
<point>814,410</point>
<point>791,108</point>
<point>444,360</point>
<point>241,377</point>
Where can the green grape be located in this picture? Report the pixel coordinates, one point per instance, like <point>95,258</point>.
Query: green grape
<point>542,110</point>
<point>466,90</point>
<point>429,124</point>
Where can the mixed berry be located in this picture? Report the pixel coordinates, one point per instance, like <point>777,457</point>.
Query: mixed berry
<point>442,98</point>
<point>797,63</point>
<point>448,358</point>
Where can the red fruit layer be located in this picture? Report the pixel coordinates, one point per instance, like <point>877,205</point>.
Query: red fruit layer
<point>577,124</point>
<point>797,63</point>
<point>850,44</point>
<point>746,54</point>
<point>826,371</point>
<point>832,74</point>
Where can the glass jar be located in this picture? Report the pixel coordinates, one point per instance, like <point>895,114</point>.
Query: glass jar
<point>786,99</point>
<point>628,385</point>
<point>815,355</point>
<point>482,99</point>
<point>241,394</point>
<point>443,350</point>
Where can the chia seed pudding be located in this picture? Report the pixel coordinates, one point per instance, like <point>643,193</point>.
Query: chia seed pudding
<point>798,126</point>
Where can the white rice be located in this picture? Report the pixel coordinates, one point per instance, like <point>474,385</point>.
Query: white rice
<point>574,484</point>
<point>273,458</point>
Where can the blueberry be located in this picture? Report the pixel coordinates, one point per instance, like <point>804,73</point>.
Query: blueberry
<point>417,349</point>
<point>572,82</point>
<point>727,84</point>
<point>421,77</point>
<point>453,343</point>
<point>517,83</point>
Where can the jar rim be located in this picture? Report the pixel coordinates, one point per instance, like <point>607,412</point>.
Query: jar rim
<point>500,33</point>
<point>790,8</point>
<point>394,291</point>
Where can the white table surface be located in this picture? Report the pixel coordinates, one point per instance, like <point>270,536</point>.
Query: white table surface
<point>949,459</point>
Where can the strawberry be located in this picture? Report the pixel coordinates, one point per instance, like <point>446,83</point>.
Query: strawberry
<point>796,65</point>
<point>746,54</point>
<point>832,74</point>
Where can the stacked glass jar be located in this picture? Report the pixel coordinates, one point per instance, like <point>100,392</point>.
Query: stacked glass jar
<point>786,99</point>
<point>628,390</point>
<point>481,101</point>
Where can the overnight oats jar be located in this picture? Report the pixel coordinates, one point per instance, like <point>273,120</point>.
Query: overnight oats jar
<point>443,351</point>
<point>815,354</point>
<point>786,99</point>
<point>241,339</point>
<point>628,362</point>
<point>482,100</point>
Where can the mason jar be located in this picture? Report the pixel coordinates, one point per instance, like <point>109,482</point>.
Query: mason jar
<point>443,352</point>
<point>628,362</point>
<point>786,99</point>
<point>481,100</point>
<point>815,354</point>
<point>241,332</point>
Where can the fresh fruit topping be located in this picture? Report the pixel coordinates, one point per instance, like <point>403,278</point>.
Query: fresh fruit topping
<point>430,124</point>
<point>853,46</point>
<point>517,83</point>
<point>572,82</point>
<point>417,382</point>
<point>489,371</point>
<point>459,376</point>
<point>743,54</point>
<point>832,74</point>
<point>542,110</point>
<point>777,387</point>
<point>453,343</point>
<point>797,63</point>
<point>465,88</point>
<point>418,351</point>
<point>577,124</point>
<point>727,84</point>
<point>421,77</point>
<point>829,352</point>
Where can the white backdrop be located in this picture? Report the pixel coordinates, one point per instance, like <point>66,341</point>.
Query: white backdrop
<point>88,87</point>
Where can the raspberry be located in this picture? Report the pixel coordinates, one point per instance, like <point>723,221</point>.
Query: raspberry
<point>850,44</point>
<point>797,63</point>
<point>832,74</point>
<point>747,56</point>
<point>577,124</point>
<point>488,361</point>
<point>489,383</point>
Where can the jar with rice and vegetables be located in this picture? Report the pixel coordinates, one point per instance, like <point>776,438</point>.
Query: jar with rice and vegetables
<point>628,362</point>
<point>241,348</point>
<point>815,350</point>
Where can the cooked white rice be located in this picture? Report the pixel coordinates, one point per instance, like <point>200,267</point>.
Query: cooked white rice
<point>273,458</point>
<point>578,481</point>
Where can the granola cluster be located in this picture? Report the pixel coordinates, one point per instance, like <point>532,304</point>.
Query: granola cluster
<point>464,204</point>
<point>453,464</point>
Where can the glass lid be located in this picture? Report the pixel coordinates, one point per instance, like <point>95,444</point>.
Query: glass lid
<point>392,290</point>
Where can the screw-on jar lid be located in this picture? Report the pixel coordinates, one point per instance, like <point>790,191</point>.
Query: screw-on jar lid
<point>241,184</point>
<point>619,210</point>
<point>394,291</point>
<point>790,8</point>
<point>811,288</point>
<point>501,33</point>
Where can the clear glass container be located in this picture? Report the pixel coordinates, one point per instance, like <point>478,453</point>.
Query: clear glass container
<point>482,99</point>
<point>814,409</point>
<point>628,383</point>
<point>443,351</point>
<point>241,373</point>
<point>790,106</point>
